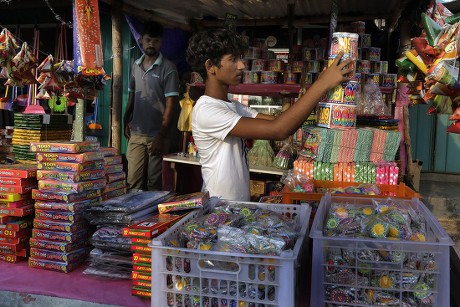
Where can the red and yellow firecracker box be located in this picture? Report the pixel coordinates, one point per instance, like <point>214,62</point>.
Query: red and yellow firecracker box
<point>145,269</point>
<point>23,211</point>
<point>18,225</point>
<point>71,207</point>
<point>13,247</point>
<point>141,291</point>
<point>59,236</point>
<point>115,177</point>
<point>13,196</point>
<point>69,157</point>
<point>18,170</point>
<point>70,227</point>
<point>109,151</point>
<point>63,216</point>
<point>113,160</point>
<point>70,257</point>
<point>142,283</point>
<point>71,186</point>
<point>142,258</point>
<point>57,245</point>
<point>58,266</point>
<point>183,202</point>
<point>141,276</point>
<point>64,147</point>
<point>141,249</point>
<point>71,176</point>
<point>11,258</point>
<point>65,196</point>
<point>71,166</point>
<point>151,227</point>
<point>16,181</point>
<point>16,204</point>
<point>16,189</point>
<point>14,234</point>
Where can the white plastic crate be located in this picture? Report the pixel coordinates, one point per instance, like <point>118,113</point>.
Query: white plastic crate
<point>183,277</point>
<point>344,283</point>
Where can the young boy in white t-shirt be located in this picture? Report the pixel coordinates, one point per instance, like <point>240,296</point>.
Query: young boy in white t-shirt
<point>220,126</point>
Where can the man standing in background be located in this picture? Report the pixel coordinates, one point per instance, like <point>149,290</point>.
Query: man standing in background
<point>153,97</point>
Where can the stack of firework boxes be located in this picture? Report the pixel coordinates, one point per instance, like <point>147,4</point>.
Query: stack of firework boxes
<point>142,233</point>
<point>16,209</point>
<point>71,177</point>
<point>114,174</point>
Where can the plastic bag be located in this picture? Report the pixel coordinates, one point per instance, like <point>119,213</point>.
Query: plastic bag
<point>373,101</point>
<point>261,153</point>
<point>297,182</point>
<point>285,157</point>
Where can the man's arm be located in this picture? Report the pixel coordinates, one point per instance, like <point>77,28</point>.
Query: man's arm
<point>128,117</point>
<point>157,147</point>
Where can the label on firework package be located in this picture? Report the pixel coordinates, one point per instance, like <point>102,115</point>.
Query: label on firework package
<point>69,157</point>
<point>71,166</point>
<point>151,227</point>
<point>183,202</point>
<point>55,265</point>
<point>64,147</point>
<point>72,207</point>
<point>59,226</point>
<point>65,196</point>
<point>331,115</point>
<point>59,236</point>
<point>56,245</point>
<point>70,257</point>
<point>71,176</point>
<point>18,170</point>
<point>71,186</point>
<point>16,181</point>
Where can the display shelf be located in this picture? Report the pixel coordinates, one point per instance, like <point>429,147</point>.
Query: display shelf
<point>187,159</point>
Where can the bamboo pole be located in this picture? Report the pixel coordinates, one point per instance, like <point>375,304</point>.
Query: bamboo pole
<point>117,86</point>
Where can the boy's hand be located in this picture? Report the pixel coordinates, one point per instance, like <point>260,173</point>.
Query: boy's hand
<point>337,72</point>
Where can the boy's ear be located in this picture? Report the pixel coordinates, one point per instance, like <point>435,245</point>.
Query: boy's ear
<point>210,67</point>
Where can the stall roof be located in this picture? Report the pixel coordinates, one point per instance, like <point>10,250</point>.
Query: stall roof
<point>270,12</point>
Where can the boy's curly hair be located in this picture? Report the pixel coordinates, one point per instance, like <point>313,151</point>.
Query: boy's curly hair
<point>213,45</point>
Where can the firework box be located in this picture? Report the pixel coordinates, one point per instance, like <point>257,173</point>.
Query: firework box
<point>115,168</point>
<point>141,291</point>
<point>69,157</point>
<point>70,257</point>
<point>13,247</point>
<point>16,181</point>
<point>57,246</point>
<point>141,249</point>
<point>113,160</point>
<point>63,216</point>
<point>109,151</point>
<point>71,166</point>
<point>140,241</point>
<point>59,226</point>
<point>18,170</point>
<point>17,225</point>
<point>14,234</point>
<point>141,283</point>
<point>143,268</point>
<point>16,189</point>
<point>333,115</point>
<point>116,185</point>
<point>71,186</point>
<point>24,252</point>
<point>71,207</point>
<point>59,236</point>
<point>183,202</point>
<point>71,176</point>
<point>23,239</point>
<point>13,196</point>
<point>151,227</point>
<point>65,196</point>
<point>64,147</point>
<point>16,204</point>
<point>58,266</point>
<point>115,177</point>
<point>23,211</point>
<point>11,258</point>
<point>142,258</point>
<point>141,276</point>
<point>7,219</point>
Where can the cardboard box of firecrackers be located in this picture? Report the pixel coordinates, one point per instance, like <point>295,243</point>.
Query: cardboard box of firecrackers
<point>16,210</point>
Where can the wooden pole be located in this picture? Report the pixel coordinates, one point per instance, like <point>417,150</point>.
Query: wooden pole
<point>117,86</point>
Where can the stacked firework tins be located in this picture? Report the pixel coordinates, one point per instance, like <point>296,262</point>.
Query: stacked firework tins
<point>261,65</point>
<point>338,108</point>
<point>6,144</point>
<point>35,128</point>
<point>16,209</point>
<point>71,177</point>
<point>368,64</point>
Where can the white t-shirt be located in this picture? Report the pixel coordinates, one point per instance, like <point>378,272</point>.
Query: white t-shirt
<point>224,165</point>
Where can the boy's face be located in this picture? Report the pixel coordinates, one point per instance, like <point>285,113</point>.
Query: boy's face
<point>151,45</point>
<point>230,70</point>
